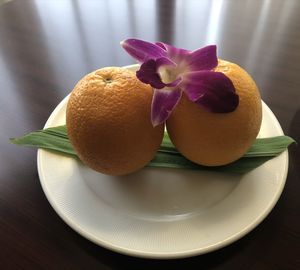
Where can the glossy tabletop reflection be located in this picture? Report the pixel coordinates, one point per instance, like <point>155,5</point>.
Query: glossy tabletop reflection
<point>47,46</point>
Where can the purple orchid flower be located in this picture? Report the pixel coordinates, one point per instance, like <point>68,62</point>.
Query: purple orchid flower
<point>172,71</point>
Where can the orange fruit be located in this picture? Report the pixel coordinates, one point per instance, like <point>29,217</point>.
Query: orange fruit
<point>108,121</point>
<point>214,139</point>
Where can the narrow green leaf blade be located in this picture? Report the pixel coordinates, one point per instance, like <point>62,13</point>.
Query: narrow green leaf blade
<point>60,131</point>
<point>269,146</point>
<point>46,140</point>
<point>56,139</point>
<point>243,165</point>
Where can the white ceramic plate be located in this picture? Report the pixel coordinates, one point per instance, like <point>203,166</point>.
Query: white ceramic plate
<point>161,213</point>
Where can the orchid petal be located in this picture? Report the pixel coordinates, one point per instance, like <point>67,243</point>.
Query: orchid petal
<point>176,54</point>
<point>162,45</point>
<point>142,50</point>
<point>202,59</point>
<point>149,73</point>
<point>212,90</point>
<point>163,103</point>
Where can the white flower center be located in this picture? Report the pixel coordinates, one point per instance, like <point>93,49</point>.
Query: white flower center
<point>168,74</point>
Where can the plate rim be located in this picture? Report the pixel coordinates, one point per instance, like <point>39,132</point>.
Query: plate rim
<point>161,255</point>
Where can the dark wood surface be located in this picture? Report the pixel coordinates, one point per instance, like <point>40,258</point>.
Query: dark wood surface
<point>47,46</point>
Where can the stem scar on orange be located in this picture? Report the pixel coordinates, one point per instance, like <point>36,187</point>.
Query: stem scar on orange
<point>109,124</point>
<point>214,139</point>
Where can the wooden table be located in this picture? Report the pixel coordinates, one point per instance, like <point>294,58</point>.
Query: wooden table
<point>46,46</point>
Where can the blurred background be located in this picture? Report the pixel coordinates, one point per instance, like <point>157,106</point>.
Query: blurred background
<point>80,36</point>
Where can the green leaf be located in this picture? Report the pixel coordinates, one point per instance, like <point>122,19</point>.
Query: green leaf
<point>262,147</point>
<point>56,139</point>
<point>269,147</point>
<point>243,165</point>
